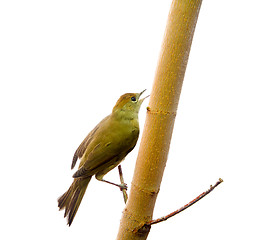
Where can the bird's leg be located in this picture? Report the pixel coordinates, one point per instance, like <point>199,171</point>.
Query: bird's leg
<point>121,186</point>
<point>99,177</point>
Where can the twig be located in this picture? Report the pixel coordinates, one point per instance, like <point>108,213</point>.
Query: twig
<point>123,183</point>
<point>148,224</point>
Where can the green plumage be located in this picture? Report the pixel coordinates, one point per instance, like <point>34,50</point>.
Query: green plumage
<point>103,149</point>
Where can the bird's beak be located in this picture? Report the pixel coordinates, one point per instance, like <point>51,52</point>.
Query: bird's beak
<point>141,92</point>
<point>141,100</point>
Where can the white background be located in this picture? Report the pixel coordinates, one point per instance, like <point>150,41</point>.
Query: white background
<point>63,66</point>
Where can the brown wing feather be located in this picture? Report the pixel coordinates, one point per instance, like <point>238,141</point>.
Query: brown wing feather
<point>83,146</point>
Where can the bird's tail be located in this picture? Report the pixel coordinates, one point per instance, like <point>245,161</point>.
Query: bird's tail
<point>71,199</point>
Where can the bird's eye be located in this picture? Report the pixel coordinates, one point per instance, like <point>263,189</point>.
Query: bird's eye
<point>133,99</point>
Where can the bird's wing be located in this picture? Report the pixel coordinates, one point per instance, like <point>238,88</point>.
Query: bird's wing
<point>83,146</point>
<point>111,144</point>
<point>99,158</point>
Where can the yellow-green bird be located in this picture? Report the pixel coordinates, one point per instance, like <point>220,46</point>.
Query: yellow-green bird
<point>103,149</point>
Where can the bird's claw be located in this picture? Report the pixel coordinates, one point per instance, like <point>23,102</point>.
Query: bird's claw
<point>123,186</point>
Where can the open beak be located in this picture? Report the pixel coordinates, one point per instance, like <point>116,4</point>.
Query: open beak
<point>142,99</point>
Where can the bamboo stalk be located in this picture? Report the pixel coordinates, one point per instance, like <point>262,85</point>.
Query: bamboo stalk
<point>160,119</point>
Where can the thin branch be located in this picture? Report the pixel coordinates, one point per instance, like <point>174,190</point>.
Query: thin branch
<point>185,206</point>
<point>123,183</point>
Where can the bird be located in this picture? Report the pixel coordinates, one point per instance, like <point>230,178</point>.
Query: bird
<point>104,148</point>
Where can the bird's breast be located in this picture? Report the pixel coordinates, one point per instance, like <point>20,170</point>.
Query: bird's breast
<point>127,133</point>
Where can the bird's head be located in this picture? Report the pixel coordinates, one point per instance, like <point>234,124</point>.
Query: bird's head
<point>128,105</point>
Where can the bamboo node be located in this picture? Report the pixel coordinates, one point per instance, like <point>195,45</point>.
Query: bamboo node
<point>142,229</point>
<point>151,192</point>
<point>160,112</point>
